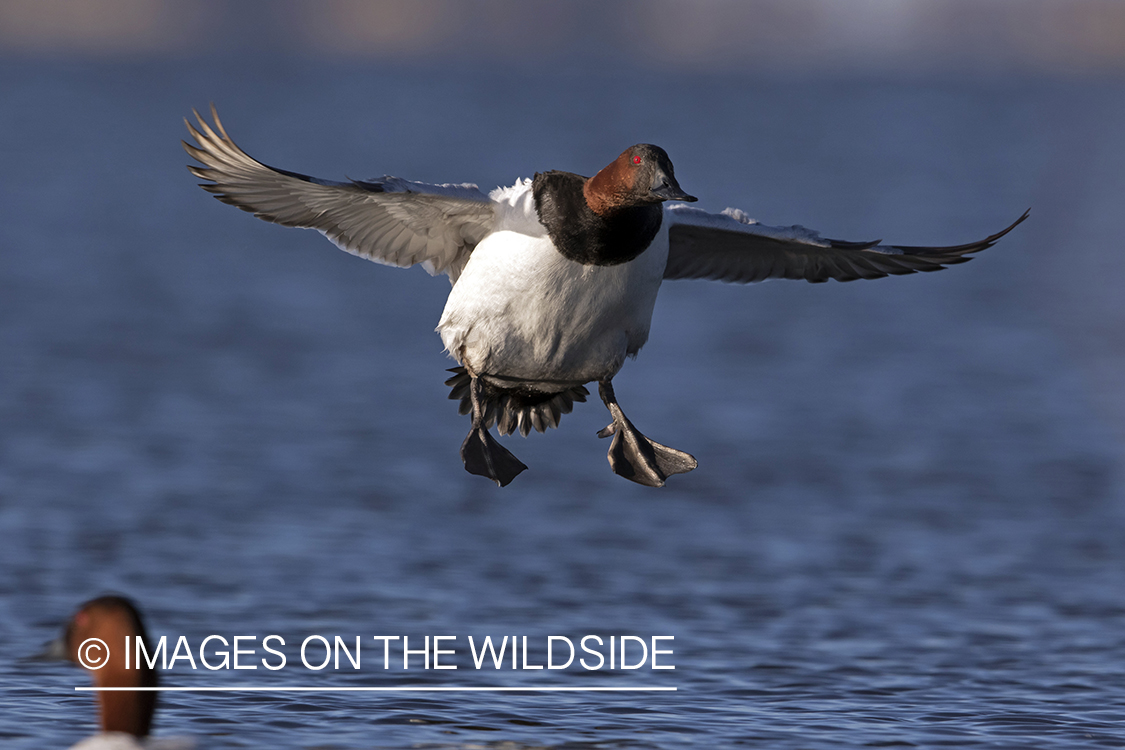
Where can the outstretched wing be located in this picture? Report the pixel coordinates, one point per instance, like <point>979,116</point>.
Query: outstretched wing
<point>389,220</point>
<point>732,247</point>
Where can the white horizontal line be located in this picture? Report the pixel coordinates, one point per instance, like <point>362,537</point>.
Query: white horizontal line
<point>411,689</point>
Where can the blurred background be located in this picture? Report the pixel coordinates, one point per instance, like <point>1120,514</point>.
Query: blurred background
<point>907,525</point>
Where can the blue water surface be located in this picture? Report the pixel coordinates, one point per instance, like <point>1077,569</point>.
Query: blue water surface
<point>907,524</point>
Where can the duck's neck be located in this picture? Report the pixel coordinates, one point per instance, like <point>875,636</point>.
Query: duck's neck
<point>585,235</point>
<point>605,192</point>
<point>125,711</point>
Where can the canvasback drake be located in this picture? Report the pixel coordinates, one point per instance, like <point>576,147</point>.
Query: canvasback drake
<point>554,278</point>
<point>125,717</point>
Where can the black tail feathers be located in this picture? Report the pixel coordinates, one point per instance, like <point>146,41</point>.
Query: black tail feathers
<point>515,407</point>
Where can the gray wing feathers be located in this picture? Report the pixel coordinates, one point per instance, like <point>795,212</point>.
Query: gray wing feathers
<point>731,247</point>
<point>389,220</point>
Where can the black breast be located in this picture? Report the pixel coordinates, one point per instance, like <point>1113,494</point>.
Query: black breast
<point>584,236</point>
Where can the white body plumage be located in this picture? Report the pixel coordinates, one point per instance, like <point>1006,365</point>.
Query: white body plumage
<point>521,310</point>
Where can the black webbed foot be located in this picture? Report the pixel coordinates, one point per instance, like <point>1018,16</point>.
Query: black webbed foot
<point>484,456</point>
<point>481,452</point>
<point>634,456</point>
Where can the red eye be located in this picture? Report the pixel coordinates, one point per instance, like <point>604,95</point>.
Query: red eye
<point>636,160</point>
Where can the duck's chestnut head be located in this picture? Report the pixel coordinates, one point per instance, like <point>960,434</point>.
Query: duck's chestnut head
<point>642,175</point>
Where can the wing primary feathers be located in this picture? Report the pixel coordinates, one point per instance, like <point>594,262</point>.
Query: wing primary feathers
<point>968,247</point>
<point>388,220</point>
<point>725,247</point>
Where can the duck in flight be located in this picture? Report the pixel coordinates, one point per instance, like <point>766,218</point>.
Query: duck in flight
<point>554,278</point>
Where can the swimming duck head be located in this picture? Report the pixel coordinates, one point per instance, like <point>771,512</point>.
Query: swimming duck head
<point>642,175</point>
<point>110,619</point>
